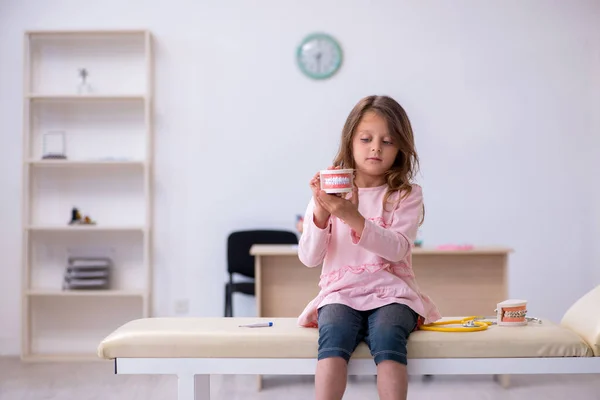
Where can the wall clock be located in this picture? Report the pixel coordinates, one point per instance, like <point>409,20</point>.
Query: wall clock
<point>319,56</point>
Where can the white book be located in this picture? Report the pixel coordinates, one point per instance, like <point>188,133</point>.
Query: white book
<point>86,282</point>
<point>89,263</point>
<point>86,274</point>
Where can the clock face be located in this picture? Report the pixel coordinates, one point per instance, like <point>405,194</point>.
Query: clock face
<point>319,56</point>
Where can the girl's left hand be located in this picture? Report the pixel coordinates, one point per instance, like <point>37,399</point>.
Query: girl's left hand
<point>344,209</point>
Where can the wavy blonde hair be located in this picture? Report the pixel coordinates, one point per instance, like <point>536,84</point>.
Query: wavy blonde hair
<point>406,164</point>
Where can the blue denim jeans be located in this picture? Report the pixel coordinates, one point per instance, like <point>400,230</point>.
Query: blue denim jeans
<point>385,330</point>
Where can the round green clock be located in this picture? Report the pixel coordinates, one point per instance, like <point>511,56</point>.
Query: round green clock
<point>319,56</point>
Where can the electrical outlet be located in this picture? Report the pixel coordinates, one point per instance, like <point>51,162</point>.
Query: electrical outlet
<point>182,306</point>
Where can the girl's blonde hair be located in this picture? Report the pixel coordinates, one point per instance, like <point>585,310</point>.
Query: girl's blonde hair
<point>406,164</point>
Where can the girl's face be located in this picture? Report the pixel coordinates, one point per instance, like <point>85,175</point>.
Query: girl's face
<point>373,148</point>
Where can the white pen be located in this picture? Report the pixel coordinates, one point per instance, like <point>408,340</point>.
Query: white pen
<point>257,325</point>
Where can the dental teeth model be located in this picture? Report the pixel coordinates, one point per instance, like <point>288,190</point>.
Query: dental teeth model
<point>337,180</point>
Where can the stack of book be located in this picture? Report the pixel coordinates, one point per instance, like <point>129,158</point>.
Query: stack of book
<point>87,274</point>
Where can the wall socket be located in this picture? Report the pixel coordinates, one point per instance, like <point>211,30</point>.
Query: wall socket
<point>182,306</point>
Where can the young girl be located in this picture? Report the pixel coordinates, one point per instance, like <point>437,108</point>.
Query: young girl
<point>364,240</point>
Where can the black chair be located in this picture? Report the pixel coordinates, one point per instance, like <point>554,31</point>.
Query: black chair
<point>240,261</point>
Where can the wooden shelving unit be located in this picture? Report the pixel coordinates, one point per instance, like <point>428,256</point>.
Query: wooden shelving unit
<point>107,126</point>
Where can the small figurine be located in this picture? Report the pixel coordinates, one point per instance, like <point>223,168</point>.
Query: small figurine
<point>84,86</point>
<point>75,216</point>
<point>83,75</point>
<point>77,220</point>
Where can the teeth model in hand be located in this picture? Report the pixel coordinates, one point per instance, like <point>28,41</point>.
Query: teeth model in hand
<point>337,180</point>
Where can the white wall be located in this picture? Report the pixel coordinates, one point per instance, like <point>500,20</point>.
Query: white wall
<point>500,95</point>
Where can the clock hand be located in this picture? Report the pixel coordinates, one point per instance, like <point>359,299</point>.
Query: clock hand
<point>319,55</point>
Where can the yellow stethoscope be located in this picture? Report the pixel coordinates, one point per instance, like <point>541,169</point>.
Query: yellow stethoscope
<point>469,324</point>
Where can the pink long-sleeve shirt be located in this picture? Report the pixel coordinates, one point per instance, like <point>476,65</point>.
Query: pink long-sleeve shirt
<point>374,269</point>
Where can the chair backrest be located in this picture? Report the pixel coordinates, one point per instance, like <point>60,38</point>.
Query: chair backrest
<point>239,259</point>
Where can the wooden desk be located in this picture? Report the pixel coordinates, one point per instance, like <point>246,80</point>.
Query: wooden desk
<point>460,283</point>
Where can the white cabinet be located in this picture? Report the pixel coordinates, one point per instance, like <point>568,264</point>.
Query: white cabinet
<point>88,145</point>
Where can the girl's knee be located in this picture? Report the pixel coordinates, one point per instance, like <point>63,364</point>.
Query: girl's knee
<point>393,320</point>
<point>389,330</point>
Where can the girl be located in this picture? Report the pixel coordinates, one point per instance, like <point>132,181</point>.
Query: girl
<point>364,240</point>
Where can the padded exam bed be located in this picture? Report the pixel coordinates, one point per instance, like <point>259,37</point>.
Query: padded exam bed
<point>195,348</point>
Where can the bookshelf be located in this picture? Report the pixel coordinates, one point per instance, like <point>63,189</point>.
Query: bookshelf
<point>87,145</point>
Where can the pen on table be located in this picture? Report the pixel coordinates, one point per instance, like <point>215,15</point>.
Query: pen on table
<point>257,325</point>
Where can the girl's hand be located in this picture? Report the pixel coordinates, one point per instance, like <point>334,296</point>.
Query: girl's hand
<point>338,206</point>
<point>343,208</point>
<point>320,214</point>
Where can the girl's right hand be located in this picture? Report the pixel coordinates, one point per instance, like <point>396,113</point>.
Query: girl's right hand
<point>320,215</point>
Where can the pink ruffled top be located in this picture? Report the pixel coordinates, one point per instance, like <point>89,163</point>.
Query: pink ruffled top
<point>374,269</point>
